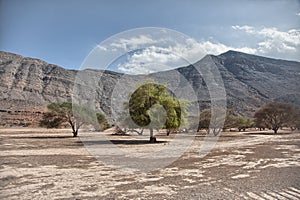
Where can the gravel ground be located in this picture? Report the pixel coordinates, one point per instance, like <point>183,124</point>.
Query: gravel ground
<point>50,164</point>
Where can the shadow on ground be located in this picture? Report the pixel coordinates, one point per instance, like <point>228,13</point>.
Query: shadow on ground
<point>41,137</point>
<point>124,142</point>
<point>267,133</point>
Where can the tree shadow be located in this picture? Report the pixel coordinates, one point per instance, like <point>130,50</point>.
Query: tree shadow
<point>120,134</point>
<point>41,137</point>
<point>220,136</point>
<point>267,133</point>
<point>121,142</point>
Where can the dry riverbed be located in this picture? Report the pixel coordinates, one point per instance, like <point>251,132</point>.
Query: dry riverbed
<point>51,164</point>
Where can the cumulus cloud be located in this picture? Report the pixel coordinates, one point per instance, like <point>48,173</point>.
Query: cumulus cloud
<point>161,54</point>
<point>273,42</point>
<point>147,53</point>
<point>151,59</point>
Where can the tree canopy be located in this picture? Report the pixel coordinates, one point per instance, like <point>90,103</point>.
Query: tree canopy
<point>73,114</point>
<point>152,106</point>
<point>243,123</point>
<point>274,115</point>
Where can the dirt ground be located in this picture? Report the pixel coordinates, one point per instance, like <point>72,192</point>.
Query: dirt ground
<point>51,164</point>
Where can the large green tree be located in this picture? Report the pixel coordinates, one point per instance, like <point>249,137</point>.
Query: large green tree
<point>274,115</point>
<point>73,114</point>
<point>152,106</point>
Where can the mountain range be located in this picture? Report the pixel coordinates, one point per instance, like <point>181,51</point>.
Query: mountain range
<point>28,85</point>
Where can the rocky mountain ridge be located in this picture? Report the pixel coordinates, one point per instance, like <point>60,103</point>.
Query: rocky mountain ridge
<point>27,85</point>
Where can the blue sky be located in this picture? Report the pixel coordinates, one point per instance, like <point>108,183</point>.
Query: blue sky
<point>63,32</point>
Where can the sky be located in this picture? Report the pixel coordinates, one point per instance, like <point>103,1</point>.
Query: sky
<point>64,32</point>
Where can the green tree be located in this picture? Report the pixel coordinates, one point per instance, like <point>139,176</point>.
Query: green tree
<point>274,115</point>
<point>102,121</point>
<point>74,115</point>
<point>50,120</point>
<point>152,106</point>
<point>243,123</point>
<point>204,121</point>
<point>231,119</point>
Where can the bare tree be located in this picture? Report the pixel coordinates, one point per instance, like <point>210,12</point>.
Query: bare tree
<point>294,122</point>
<point>274,115</point>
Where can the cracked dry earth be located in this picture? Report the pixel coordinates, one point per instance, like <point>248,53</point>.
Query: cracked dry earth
<point>49,164</point>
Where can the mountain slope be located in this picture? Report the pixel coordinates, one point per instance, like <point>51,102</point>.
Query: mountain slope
<point>259,78</point>
<point>266,76</point>
<point>27,85</point>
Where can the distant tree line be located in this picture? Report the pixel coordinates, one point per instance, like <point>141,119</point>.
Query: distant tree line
<point>231,120</point>
<point>153,107</point>
<point>270,116</point>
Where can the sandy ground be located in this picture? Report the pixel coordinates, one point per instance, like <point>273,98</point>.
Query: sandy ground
<point>51,164</point>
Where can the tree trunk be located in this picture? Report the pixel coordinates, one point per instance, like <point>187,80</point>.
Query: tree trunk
<point>141,133</point>
<point>198,128</point>
<point>152,138</point>
<point>207,131</point>
<point>275,130</point>
<point>75,133</point>
<point>216,131</point>
<point>120,131</point>
<point>75,129</point>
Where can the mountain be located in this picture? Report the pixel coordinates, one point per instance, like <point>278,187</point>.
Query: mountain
<point>27,85</point>
<point>268,79</point>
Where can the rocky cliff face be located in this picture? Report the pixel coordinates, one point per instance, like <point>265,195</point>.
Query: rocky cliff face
<point>32,81</point>
<point>27,85</point>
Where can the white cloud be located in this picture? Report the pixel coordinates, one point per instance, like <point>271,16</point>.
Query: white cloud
<point>149,60</point>
<point>133,43</point>
<point>274,42</point>
<point>157,57</point>
<point>103,48</point>
<point>148,54</point>
<point>248,29</point>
